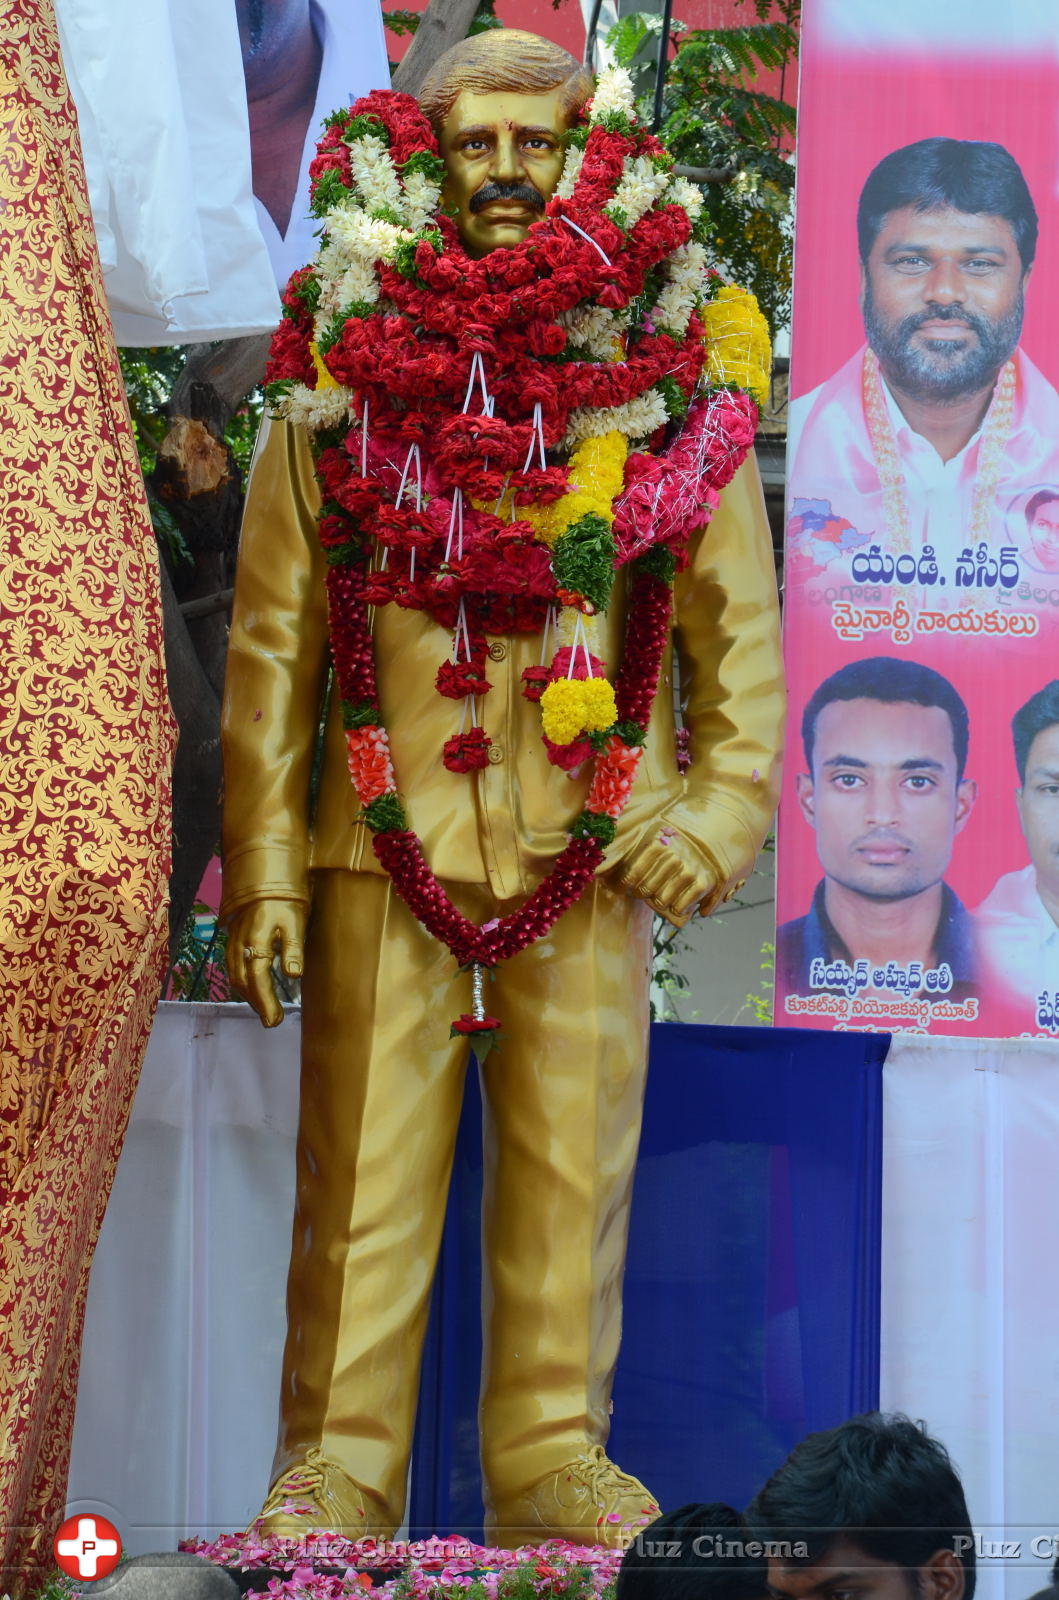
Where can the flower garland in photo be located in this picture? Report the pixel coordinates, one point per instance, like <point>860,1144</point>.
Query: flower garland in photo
<point>495,438</point>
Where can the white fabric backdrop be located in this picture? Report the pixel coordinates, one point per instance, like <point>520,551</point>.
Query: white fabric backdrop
<point>177,1407</point>
<point>970,1301</point>
<point>161,103</point>
<point>176,1413</point>
<point>188,255</point>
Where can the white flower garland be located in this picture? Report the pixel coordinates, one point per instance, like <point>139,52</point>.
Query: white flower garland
<point>614,94</point>
<point>682,292</point>
<point>637,419</point>
<point>642,184</point>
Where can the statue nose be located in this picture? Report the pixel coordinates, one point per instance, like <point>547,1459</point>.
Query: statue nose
<point>507,163</point>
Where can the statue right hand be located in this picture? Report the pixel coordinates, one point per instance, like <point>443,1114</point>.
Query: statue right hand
<point>259,931</point>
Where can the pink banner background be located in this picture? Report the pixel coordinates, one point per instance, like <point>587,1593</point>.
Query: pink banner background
<point>856,107</point>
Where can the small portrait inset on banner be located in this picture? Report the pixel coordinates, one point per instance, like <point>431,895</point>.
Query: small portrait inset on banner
<point>1033,523</point>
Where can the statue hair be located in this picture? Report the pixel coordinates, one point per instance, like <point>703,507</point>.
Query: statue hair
<point>503,58</point>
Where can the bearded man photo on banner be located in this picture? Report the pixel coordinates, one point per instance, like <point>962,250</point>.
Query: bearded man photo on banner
<point>920,438</point>
<point>511,449</point>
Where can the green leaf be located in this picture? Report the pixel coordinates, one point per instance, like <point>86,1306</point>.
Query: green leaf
<point>359,716</point>
<point>401,21</point>
<point>593,825</point>
<point>385,814</point>
<point>583,559</point>
<point>328,192</point>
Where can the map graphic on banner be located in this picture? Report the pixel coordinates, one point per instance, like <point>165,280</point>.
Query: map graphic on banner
<point>918,836</point>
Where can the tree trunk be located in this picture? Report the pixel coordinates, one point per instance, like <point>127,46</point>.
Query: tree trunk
<point>443,24</point>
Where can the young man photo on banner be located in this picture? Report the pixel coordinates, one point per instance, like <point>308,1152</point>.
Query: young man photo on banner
<point>921,436</point>
<point>1018,921</point>
<point>885,792</point>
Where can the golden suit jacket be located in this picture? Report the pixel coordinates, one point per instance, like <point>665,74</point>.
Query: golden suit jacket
<point>502,826</point>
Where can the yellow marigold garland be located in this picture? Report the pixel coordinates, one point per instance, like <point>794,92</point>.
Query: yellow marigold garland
<point>573,706</point>
<point>738,342</point>
<point>597,470</point>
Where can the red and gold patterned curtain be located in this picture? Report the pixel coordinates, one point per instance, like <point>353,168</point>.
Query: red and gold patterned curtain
<point>86,739</point>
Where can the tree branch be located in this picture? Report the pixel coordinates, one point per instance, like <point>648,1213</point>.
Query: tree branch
<point>723,174</point>
<point>444,23</point>
<point>232,370</point>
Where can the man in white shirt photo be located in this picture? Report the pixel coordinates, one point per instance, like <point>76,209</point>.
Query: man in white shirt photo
<point>921,437</point>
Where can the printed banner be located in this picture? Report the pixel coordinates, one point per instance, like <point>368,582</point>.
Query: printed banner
<point>919,826</point>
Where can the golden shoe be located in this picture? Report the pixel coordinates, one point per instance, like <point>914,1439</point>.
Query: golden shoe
<point>588,1501</point>
<point>315,1496</point>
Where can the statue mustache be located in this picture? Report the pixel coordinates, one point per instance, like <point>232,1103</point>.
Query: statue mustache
<point>524,193</point>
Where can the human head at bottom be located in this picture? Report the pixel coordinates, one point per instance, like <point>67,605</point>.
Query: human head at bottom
<point>698,1552</point>
<point>872,1509</point>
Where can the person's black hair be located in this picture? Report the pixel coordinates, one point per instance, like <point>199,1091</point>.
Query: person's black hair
<point>699,1552</point>
<point>969,175</point>
<point>892,681</point>
<point>880,1482</point>
<point>1043,497</point>
<point>1041,711</point>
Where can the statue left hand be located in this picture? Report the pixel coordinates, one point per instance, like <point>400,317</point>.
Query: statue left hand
<point>670,871</point>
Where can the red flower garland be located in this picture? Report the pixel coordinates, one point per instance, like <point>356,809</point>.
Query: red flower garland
<point>447,318</point>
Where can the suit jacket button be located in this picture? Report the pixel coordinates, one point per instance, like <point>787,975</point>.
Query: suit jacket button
<point>496,755</point>
<point>497,651</point>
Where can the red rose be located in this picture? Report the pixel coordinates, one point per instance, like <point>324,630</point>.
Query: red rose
<point>334,532</point>
<point>535,681</point>
<point>379,588</point>
<point>568,756</point>
<point>456,679</point>
<point>468,1024</point>
<point>467,752</point>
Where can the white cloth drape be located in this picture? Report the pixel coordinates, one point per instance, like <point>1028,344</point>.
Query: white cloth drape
<point>176,1413</point>
<point>177,1406</point>
<point>161,103</point>
<point>970,1286</point>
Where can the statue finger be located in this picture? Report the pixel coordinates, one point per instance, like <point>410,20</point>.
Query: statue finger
<point>293,958</point>
<point>259,989</point>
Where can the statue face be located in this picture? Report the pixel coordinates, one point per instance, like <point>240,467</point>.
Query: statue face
<point>504,156</point>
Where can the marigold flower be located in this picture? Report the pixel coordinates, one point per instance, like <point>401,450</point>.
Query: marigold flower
<point>562,710</point>
<point>598,705</point>
<point>739,349</point>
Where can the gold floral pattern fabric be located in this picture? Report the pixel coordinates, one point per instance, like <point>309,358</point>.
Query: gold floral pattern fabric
<point>86,739</point>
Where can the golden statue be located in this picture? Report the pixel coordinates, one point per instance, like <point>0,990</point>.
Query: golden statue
<point>382,1082</point>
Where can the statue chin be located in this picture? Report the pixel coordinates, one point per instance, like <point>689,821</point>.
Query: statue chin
<point>496,236</point>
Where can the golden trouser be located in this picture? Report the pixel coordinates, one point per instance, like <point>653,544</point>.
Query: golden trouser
<point>381,1090</point>
<point>381,1080</point>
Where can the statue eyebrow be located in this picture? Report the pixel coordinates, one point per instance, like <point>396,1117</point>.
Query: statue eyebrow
<point>481,129</point>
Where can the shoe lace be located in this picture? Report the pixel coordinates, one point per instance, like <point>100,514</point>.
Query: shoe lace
<point>601,1476</point>
<point>303,1481</point>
